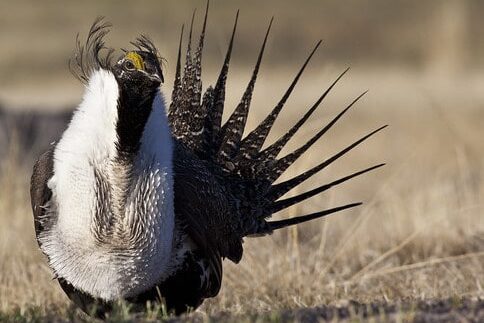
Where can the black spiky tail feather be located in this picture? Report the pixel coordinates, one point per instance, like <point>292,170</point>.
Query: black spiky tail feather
<point>250,170</point>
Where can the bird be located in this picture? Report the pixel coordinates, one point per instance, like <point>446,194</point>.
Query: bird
<point>142,201</point>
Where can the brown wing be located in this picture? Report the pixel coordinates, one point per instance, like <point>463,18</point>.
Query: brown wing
<point>202,206</point>
<point>40,194</point>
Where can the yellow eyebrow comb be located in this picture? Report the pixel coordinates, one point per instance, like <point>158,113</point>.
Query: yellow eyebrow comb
<point>136,59</point>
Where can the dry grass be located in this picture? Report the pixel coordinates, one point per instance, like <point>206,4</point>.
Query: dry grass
<point>420,234</point>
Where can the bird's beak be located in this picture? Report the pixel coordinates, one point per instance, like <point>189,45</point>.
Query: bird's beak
<point>157,76</point>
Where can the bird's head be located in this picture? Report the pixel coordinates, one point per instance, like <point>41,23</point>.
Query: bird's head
<point>137,74</point>
<point>137,71</point>
<point>140,68</point>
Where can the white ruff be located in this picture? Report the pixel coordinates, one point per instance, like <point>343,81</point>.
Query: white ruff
<point>139,254</point>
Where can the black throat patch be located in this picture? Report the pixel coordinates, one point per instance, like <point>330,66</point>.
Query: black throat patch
<point>135,104</point>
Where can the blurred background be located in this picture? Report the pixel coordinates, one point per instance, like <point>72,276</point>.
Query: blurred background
<point>433,38</point>
<point>423,64</point>
<point>415,58</point>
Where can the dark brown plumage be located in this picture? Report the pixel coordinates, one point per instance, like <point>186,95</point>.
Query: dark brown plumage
<point>223,183</point>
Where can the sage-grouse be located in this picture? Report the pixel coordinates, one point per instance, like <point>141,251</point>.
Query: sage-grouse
<point>137,203</point>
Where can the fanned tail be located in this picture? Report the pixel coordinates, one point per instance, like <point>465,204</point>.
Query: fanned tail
<point>187,114</point>
<point>233,129</point>
<point>252,144</point>
<point>249,170</point>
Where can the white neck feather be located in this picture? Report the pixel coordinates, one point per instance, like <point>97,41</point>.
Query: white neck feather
<point>123,266</point>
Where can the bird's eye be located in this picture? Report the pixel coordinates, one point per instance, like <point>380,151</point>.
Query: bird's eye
<point>129,65</point>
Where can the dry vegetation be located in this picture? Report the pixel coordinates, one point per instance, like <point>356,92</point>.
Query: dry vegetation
<point>419,236</point>
<point>420,233</point>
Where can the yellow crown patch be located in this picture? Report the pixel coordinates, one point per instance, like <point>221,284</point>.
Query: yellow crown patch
<point>136,59</point>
